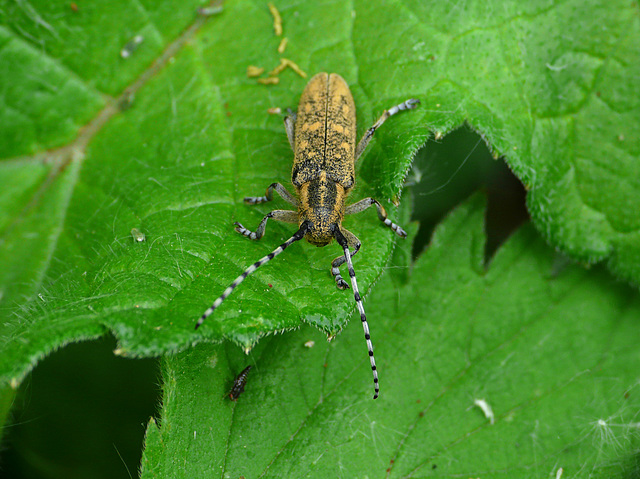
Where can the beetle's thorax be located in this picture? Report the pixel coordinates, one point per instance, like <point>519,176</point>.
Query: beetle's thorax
<point>322,204</point>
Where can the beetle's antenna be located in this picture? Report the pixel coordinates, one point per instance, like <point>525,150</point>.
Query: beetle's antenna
<point>298,235</point>
<point>342,241</point>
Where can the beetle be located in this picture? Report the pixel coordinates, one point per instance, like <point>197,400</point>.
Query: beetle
<point>322,135</point>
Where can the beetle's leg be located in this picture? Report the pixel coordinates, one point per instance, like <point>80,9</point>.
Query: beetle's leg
<point>382,214</point>
<point>290,126</point>
<point>406,105</point>
<point>279,215</point>
<point>354,243</point>
<point>282,191</point>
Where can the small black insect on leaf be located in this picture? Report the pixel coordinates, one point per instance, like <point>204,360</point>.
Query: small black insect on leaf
<point>238,384</point>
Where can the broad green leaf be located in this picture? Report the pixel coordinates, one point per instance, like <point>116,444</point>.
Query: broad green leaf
<point>550,347</point>
<point>551,86</point>
<point>176,136</point>
<point>170,139</point>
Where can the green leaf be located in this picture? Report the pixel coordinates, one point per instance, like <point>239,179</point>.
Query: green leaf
<point>170,139</point>
<point>550,347</point>
<point>178,135</point>
<point>551,87</point>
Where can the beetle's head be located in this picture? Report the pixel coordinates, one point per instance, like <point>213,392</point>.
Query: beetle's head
<point>319,234</point>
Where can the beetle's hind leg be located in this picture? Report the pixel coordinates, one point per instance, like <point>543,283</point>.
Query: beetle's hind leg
<point>354,244</point>
<point>364,141</point>
<point>382,214</point>
<point>279,215</point>
<point>282,191</point>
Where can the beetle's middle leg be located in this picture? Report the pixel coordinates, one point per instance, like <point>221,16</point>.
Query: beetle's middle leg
<point>354,245</point>
<point>282,191</point>
<point>406,105</point>
<point>279,215</point>
<point>382,214</point>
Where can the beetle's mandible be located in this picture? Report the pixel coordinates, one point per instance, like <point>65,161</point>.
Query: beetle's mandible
<point>322,135</point>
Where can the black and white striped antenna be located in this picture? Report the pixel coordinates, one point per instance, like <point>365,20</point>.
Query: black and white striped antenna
<point>298,235</point>
<point>342,241</point>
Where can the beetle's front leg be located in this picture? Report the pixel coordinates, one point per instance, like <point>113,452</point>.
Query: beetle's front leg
<point>279,215</point>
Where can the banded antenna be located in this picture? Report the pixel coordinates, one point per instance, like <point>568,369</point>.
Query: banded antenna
<point>298,235</point>
<point>342,241</point>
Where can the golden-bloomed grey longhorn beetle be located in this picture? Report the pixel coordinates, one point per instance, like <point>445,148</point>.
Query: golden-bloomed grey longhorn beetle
<point>323,137</point>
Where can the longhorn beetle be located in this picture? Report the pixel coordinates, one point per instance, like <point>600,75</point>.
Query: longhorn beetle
<point>323,137</point>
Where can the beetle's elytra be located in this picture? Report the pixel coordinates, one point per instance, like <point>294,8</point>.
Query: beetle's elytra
<point>322,135</point>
